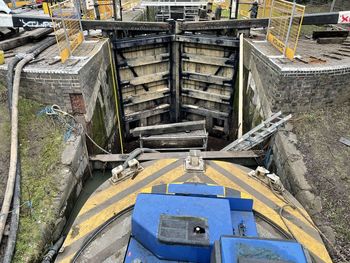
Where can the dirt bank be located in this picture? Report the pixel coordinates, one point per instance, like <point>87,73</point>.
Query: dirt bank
<point>328,168</point>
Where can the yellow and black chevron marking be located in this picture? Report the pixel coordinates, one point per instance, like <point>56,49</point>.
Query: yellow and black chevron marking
<point>109,200</point>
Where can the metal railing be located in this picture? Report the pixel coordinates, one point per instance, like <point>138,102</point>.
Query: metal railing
<point>284,26</point>
<point>67,27</point>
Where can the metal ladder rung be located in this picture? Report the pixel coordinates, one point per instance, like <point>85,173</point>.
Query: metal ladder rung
<point>258,134</point>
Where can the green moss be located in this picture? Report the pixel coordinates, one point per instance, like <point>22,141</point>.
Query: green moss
<point>99,134</point>
<point>41,143</point>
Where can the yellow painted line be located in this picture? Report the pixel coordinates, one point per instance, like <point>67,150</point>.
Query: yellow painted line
<point>95,221</point>
<point>262,189</point>
<point>309,242</point>
<point>100,197</point>
<point>257,205</point>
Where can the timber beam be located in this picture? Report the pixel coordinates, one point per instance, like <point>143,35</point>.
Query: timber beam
<point>208,40</point>
<point>247,158</point>
<point>309,19</point>
<point>143,61</point>
<point>146,113</point>
<point>146,79</point>
<point>169,128</point>
<point>211,79</point>
<point>204,112</point>
<point>22,20</point>
<point>142,41</point>
<point>207,60</point>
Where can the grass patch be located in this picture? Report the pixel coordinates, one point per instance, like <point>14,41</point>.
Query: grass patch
<point>41,144</point>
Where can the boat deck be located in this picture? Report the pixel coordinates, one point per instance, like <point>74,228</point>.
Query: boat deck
<point>109,200</point>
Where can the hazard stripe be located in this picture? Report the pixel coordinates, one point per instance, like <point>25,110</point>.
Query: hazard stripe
<point>113,199</point>
<point>312,242</point>
<point>112,194</point>
<point>79,231</point>
<point>265,191</point>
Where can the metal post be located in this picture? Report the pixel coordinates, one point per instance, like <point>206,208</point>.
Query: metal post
<point>265,1</point>
<point>268,26</point>
<point>78,13</point>
<point>121,10</point>
<point>289,28</point>
<point>97,11</point>
<point>240,88</point>
<point>114,10</point>
<point>333,5</point>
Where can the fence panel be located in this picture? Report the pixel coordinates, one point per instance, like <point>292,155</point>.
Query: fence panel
<point>67,27</point>
<point>284,26</point>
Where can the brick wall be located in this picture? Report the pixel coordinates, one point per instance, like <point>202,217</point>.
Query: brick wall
<point>295,90</point>
<point>83,87</point>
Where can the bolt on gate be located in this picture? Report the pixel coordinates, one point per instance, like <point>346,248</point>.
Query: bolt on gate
<point>284,26</point>
<point>67,27</point>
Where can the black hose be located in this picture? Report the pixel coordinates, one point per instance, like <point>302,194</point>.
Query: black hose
<point>12,64</point>
<point>11,242</point>
<point>94,234</point>
<point>53,250</point>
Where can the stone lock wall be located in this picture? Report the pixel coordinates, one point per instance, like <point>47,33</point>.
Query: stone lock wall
<point>77,89</point>
<point>271,88</point>
<point>292,89</point>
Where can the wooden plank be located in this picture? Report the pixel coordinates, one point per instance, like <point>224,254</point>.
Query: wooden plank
<point>204,112</point>
<point>330,40</point>
<point>210,155</point>
<point>215,61</point>
<point>24,38</point>
<point>143,61</point>
<point>23,20</point>
<point>309,19</point>
<point>209,40</point>
<point>330,34</point>
<point>142,41</point>
<point>168,128</point>
<point>144,97</point>
<point>203,95</point>
<point>212,79</point>
<point>146,113</point>
<point>147,79</point>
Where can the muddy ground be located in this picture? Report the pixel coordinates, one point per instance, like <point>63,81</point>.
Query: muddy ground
<point>328,165</point>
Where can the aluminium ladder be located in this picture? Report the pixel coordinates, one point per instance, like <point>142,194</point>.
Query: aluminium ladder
<point>258,134</point>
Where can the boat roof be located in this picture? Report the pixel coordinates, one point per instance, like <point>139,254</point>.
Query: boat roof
<point>111,199</point>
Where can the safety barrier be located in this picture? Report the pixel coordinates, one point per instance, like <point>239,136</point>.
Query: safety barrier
<point>67,27</point>
<point>105,8</point>
<point>263,9</point>
<point>284,26</point>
